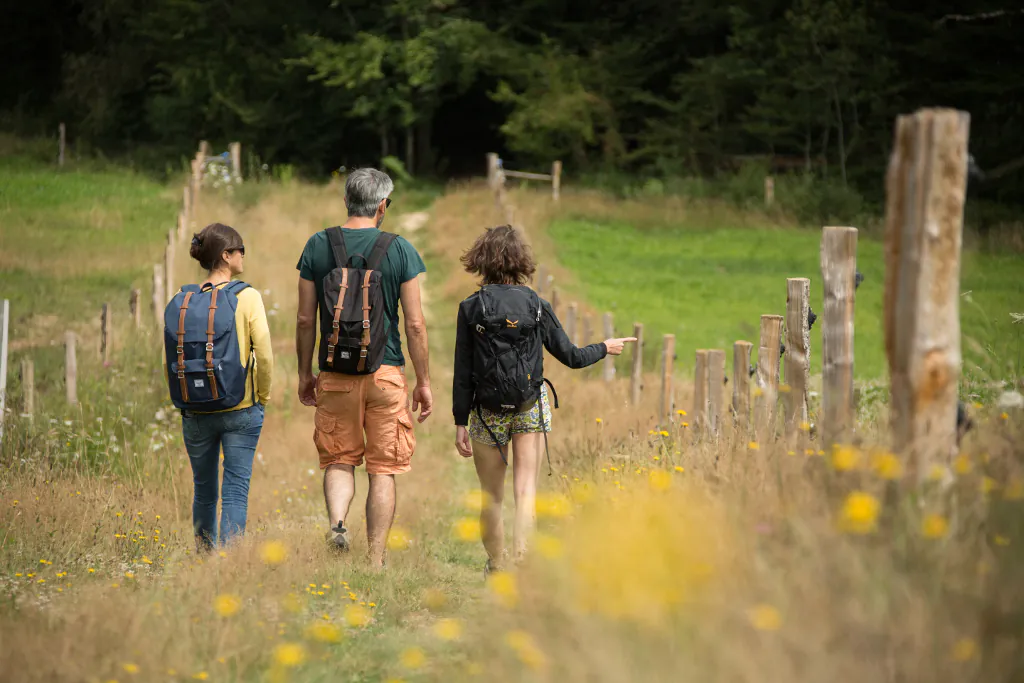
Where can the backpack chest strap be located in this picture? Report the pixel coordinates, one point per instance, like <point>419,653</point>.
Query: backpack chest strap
<point>181,347</point>
<point>365,341</point>
<point>333,340</point>
<point>209,343</point>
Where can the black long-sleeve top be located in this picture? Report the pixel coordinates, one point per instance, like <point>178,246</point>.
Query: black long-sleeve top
<point>556,342</point>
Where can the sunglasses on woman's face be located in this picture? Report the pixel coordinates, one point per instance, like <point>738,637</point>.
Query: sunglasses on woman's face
<point>239,249</point>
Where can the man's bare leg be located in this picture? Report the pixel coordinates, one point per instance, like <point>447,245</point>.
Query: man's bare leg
<point>339,490</point>
<point>380,514</point>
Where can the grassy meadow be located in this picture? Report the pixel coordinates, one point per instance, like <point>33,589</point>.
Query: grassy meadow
<point>658,556</point>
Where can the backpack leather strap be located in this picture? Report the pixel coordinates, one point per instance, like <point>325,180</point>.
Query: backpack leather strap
<point>333,340</point>
<point>365,341</point>
<point>337,240</point>
<point>181,347</point>
<point>209,343</point>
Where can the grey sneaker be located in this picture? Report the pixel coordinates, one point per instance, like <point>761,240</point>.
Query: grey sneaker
<point>337,537</point>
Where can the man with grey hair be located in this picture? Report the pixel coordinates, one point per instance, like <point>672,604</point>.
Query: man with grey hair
<point>378,403</point>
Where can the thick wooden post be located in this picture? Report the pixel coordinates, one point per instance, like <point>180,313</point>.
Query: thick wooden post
<point>135,306</point>
<point>542,278</point>
<point>637,377</point>
<point>798,350</point>
<point>169,269</point>
<point>62,131</point>
<point>838,272</point>
<point>699,414</point>
<point>668,352</point>
<point>186,207</point>
<point>588,330</point>
<point>769,191</point>
<point>492,170</point>
<point>105,338</point>
<point>570,323</point>
<point>768,374</point>
<point>158,294</point>
<point>925,191</point>
<point>70,368</point>
<point>554,301</point>
<point>182,225</point>
<point>197,179</point>
<point>741,382</point>
<point>556,180</point>
<point>716,390</point>
<point>236,161</point>
<point>609,361</point>
<point>28,387</point>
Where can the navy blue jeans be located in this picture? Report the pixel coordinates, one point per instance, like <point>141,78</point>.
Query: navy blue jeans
<point>237,432</point>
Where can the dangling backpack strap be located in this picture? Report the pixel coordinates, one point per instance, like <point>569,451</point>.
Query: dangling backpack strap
<point>337,240</point>
<point>380,248</point>
<point>501,451</point>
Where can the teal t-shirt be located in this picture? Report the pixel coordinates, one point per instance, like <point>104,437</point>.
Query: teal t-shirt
<point>401,264</point>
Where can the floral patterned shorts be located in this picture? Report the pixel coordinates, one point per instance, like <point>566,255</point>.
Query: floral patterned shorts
<point>503,426</point>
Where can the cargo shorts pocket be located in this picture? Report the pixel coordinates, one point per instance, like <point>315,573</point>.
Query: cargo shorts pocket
<point>326,433</point>
<point>405,439</point>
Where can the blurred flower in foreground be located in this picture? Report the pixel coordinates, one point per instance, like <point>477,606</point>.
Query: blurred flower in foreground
<point>448,629</point>
<point>227,605</point>
<point>859,513</point>
<point>887,466</point>
<point>289,654</point>
<point>764,618</point>
<point>552,505</point>
<point>503,586</point>
<point>753,446</point>
<point>962,464</point>
<point>550,547</point>
<point>413,658</point>
<point>475,500</point>
<point>323,632</point>
<point>273,553</point>
<point>467,529</point>
<point>845,458</point>
<point>1014,489</point>
<point>130,668</point>
<point>434,598</point>
<point>356,615</point>
<point>659,480</point>
<point>934,526</point>
<point>964,650</point>
<point>398,538</point>
<point>526,648</point>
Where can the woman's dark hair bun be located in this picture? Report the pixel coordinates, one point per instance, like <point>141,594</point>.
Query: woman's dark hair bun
<point>212,241</point>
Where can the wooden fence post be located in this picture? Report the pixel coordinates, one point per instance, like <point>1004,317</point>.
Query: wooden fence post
<point>186,207</point>
<point>5,325</point>
<point>637,377</point>
<point>769,191</point>
<point>838,271</point>
<point>741,382</point>
<point>588,330</point>
<point>716,390</point>
<point>105,338</point>
<point>182,225</point>
<point>768,374</point>
<point>158,294</point>
<point>135,306</point>
<point>570,323</point>
<point>609,361</point>
<point>62,130</point>
<point>556,180</point>
<point>668,352</point>
<point>798,350</point>
<point>196,183</point>
<point>236,161</point>
<point>70,368</point>
<point>699,414</point>
<point>925,192</point>
<point>492,170</point>
<point>28,387</point>
<point>542,278</point>
<point>169,269</point>
<point>554,301</point>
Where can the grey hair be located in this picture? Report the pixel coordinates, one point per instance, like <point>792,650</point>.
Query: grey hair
<point>365,189</point>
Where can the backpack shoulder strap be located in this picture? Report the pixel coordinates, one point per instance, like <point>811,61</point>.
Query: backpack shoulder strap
<point>236,286</point>
<point>337,240</point>
<point>190,288</point>
<point>380,248</point>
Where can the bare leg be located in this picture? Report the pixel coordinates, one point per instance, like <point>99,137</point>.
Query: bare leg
<point>380,513</point>
<point>490,469</point>
<point>339,489</point>
<point>525,465</point>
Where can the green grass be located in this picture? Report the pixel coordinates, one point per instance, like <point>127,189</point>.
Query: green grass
<point>709,287</point>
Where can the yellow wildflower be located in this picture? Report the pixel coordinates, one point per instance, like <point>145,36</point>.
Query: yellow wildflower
<point>988,485</point>
<point>413,658</point>
<point>200,676</point>
<point>964,650</point>
<point>356,615</point>
<point>677,468</point>
<point>764,617</point>
<point>434,598</point>
<point>398,538</point>
<point>467,529</point>
<point>805,426</point>
<point>934,526</point>
<point>660,480</point>
<point>753,446</point>
<point>1001,540</point>
<point>130,668</point>
<point>845,458</point>
<point>273,553</point>
<point>503,586</point>
<point>1004,416</point>
<point>887,466</point>
<point>289,654</point>
<point>526,648</point>
<point>475,500</point>
<point>859,513</point>
<point>227,605</point>
<point>448,629</point>
<point>962,464</point>
<point>553,505</point>
<point>323,632</point>
<point>548,546</point>
<point>597,420</point>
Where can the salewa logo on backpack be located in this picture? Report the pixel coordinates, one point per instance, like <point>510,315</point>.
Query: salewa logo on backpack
<point>353,325</point>
<point>512,324</point>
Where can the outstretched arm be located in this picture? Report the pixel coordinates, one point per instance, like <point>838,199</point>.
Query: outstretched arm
<point>558,344</point>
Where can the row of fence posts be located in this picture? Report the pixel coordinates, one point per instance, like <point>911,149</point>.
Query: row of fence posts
<point>925,187</point>
<point>163,291</point>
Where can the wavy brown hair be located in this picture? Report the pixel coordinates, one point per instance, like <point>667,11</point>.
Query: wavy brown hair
<point>500,256</point>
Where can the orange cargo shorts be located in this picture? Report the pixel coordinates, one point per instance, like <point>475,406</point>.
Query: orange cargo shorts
<point>377,404</point>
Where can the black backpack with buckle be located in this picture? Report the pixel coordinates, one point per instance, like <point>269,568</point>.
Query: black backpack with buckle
<point>353,325</point>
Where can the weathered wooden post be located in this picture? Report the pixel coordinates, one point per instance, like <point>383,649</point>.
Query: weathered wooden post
<point>492,170</point>
<point>838,271</point>
<point>798,350</point>
<point>699,414</point>
<point>609,361</point>
<point>186,206</point>
<point>668,352</point>
<point>235,148</point>
<point>741,382</point>
<point>637,376</point>
<point>542,278</point>
<point>556,180</point>
<point>554,301</point>
<point>158,294</point>
<point>197,179</point>
<point>716,390</point>
<point>105,338</point>
<point>70,368</point>
<point>768,374</point>
<point>28,387</point>
<point>182,225</point>
<point>62,131</point>
<point>769,191</point>
<point>570,323</point>
<point>169,269</point>
<point>588,330</point>
<point>925,193</point>
<point>135,306</point>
